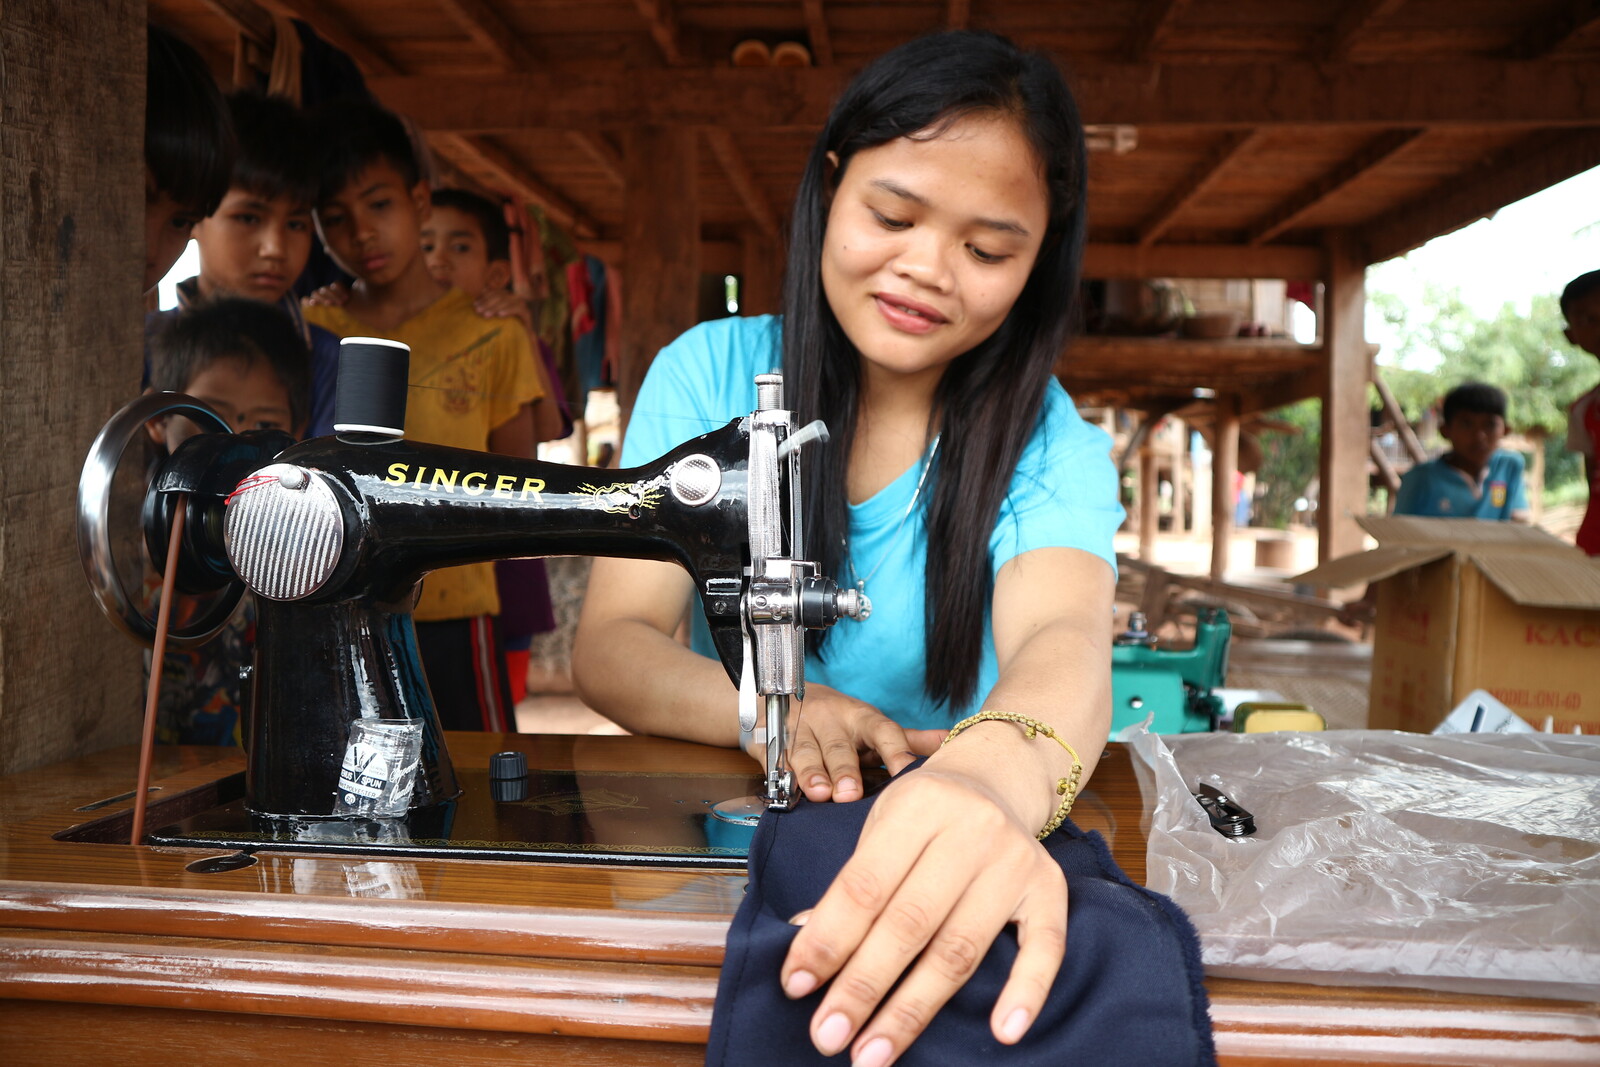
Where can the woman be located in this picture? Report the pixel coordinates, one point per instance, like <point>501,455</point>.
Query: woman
<point>931,286</point>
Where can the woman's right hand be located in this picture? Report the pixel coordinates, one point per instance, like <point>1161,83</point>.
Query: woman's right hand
<point>833,732</point>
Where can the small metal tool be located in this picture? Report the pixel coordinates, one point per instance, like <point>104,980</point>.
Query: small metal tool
<point>1227,818</point>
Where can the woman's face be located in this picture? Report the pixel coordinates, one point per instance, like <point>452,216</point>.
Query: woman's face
<point>930,242</point>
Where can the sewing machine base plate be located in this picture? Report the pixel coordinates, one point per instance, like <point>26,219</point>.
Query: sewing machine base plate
<point>633,818</point>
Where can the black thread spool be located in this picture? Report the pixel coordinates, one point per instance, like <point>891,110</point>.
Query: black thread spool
<point>371,396</point>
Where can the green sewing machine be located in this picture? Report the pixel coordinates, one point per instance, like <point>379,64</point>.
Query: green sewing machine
<point>1175,685</point>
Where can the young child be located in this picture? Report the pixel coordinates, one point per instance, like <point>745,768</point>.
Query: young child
<point>247,361</point>
<point>467,245</point>
<point>473,380</point>
<point>256,243</point>
<point>1475,479</point>
<point>188,149</point>
<point>1580,303</point>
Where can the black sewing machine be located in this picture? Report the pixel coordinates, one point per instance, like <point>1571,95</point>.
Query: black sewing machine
<point>344,749</point>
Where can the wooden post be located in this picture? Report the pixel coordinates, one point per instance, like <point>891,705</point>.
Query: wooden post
<point>1345,425</point>
<point>71,258</point>
<point>762,273</point>
<point>1147,502</point>
<point>1180,459</point>
<point>660,249</point>
<point>1224,466</point>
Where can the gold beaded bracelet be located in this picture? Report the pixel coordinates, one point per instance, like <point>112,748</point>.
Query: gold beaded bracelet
<point>1066,788</point>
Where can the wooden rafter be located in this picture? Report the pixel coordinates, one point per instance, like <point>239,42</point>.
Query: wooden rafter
<point>1200,179</point>
<point>1492,94</point>
<point>1549,35</point>
<point>1300,262</point>
<point>957,13</point>
<point>744,182</point>
<point>663,23</point>
<point>246,17</point>
<point>605,155</point>
<point>334,28</point>
<point>491,32</point>
<point>1355,18</point>
<point>1536,163</point>
<point>1373,154</point>
<point>484,154</point>
<point>1160,17</point>
<point>817,30</point>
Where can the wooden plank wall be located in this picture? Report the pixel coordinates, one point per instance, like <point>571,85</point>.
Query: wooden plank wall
<point>71,246</point>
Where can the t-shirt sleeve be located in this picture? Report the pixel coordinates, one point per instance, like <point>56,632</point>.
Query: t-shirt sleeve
<point>698,383</point>
<point>1517,495</point>
<point>1405,499</point>
<point>514,381</point>
<point>1064,492</point>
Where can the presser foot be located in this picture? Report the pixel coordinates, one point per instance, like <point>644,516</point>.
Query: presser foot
<point>747,811</point>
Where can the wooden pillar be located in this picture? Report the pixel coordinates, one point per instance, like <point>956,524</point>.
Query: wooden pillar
<point>1148,502</point>
<point>660,248</point>
<point>1224,465</point>
<point>71,263</point>
<point>1346,370</point>
<point>761,276</point>
<point>1180,460</point>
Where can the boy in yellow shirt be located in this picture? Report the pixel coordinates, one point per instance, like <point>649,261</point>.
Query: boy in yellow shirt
<point>473,380</point>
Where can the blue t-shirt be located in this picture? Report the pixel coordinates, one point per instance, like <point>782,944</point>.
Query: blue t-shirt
<point>1063,494</point>
<point>1437,490</point>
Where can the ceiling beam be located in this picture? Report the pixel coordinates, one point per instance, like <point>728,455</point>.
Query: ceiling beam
<point>1355,18</point>
<point>744,182</point>
<point>1375,153</point>
<point>247,17</point>
<point>1294,262</point>
<point>1199,180</point>
<point>334,28</point>
<point>1549,35</point>
<point>1486,93</point>
<point>817,29</point>
<point>483,154</point>
<point>491,32</point>
<point>1160,18</point>
<point>606,156</point>
<point>957,14</point>
<point>1536,163</point>
<point>663,23</point>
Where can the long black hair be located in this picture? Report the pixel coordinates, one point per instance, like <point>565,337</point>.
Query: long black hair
<point>989,399</point>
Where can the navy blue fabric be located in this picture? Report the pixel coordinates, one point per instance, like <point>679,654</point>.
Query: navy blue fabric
<point>1129,991</point>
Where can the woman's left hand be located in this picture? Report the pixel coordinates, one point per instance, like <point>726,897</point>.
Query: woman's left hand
<point>942,866</point>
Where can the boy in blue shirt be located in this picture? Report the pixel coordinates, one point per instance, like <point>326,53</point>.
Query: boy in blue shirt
<point>1475,479</point>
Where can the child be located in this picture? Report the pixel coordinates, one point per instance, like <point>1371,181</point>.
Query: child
<point>1475,479</point>
<point>473,380</point>
<point>188,149</point>
<point>1580,303</point>
<point>931,287</point>
<point>256,243</point>
<point>467,245</point>
<point>248,362</point>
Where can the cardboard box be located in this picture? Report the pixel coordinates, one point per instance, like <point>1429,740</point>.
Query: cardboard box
<point>1466,604</point>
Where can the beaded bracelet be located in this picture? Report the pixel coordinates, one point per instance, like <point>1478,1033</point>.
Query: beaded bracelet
<point>1066,788</point>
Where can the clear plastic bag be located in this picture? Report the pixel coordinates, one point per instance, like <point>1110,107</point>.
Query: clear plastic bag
<point>1465,862</point>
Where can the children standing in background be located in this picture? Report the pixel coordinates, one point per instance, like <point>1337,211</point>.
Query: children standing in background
<point>1475,479</point>
<point>473,380</point>
<point>188,150</point>
<point>256,243</point>
<point>1580,304</point>
<point>248,362</point>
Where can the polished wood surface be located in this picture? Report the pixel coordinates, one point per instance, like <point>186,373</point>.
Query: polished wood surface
<point>103,945</point>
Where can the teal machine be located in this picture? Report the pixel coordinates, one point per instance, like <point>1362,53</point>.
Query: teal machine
<point>1173,685</point>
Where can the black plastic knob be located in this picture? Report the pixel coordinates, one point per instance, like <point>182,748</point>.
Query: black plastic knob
<point>508,765</point>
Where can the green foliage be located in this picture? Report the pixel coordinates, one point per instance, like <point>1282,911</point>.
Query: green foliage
<point>1288,463</point>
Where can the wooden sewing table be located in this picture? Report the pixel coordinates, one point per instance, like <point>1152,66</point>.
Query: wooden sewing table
<point>118,956</point>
